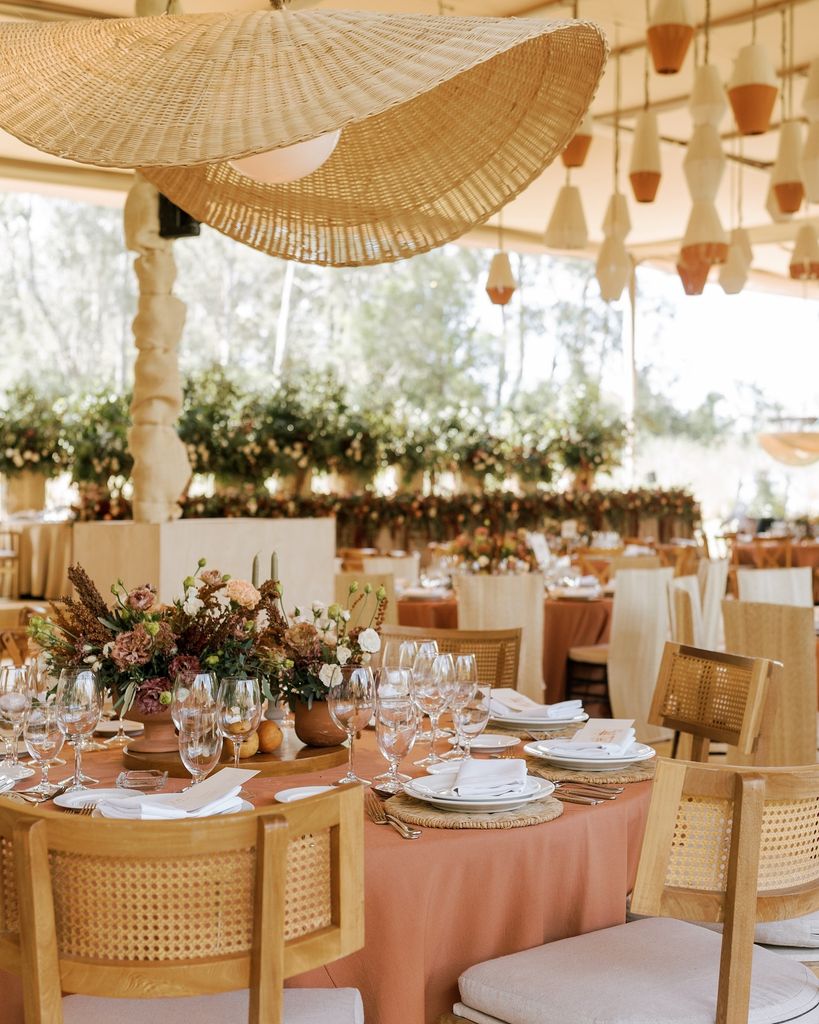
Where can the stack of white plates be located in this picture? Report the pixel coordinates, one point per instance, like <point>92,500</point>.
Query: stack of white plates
<point>586,762</point>
<point>437,790</point>
<point>524,721</point>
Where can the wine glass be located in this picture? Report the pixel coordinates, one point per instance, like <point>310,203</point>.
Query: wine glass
<point>200,741</point>
<point>424,654</point>
<point>463,690</point>
<point>15,703</point>
<point>79,704</point>
<point>192,695</point>
<point>350,703</point>
<point>239,702</point>
<point>471,718</point>
<point>396,725</point>
<point>44,740</point>
<point>393,683</point>
<point>432,682</point>
<point>398,653</point>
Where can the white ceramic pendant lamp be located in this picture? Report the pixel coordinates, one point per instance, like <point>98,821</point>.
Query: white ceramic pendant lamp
<point>567,226</point>
<point>804,264</point>
<point>753,87</point>
<point>501,284</point>
<point>670,32</point>
<point>786,175</point>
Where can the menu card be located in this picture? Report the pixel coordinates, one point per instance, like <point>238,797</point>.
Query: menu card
<point>610,731</point>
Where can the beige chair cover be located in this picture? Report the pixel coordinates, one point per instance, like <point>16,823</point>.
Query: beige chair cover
<point>508,602</point>
<point>639,629</point>
<point>776,586</point>
<point>713,578</point>
<point>784,634</point>
<point>690,586</point>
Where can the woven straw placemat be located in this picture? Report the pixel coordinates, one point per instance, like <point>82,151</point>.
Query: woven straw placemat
<point>416,812</point>
<point>634,773</point>
<point>523,732</point>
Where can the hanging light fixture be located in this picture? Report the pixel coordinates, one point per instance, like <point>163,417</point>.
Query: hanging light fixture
<point>217,89</point>
<point>614,265</point>
<point>567,225</point>
<point>574,155</point>
<point>786,174</point>
<point>705,240</point>
<point>772,206</point>
<point>669,35</point>
<point>693,274</point>
<point>804,265</point>
<point>734,271</point>
<point>810,97</point>
<point>501,284</point>
<point>704,162</point>
<point>741,241</point>
<point>752,89</point>
<point>810,163</point>
<point>708,101</point>
<point>645,168</point>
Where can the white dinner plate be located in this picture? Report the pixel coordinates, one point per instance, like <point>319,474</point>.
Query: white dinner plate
<point>110,727</point>
<point>246,805</point>
<point>638,752</point>
<point>7,783</point>
<point>437,790</point>
<point>578,593</point>
<point>530,722</point>
<point>87,796</point>
<point>287,796</point>
<point>489,741</point>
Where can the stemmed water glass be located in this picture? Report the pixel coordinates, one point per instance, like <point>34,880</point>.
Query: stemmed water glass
<point>463,691</point>
<point>192,695</point>
<point>239,709</point>
<point>425,652</point>
<point>44,740</point>
<point>350,702</point>
<point>79,704</point>
<point>200,741</point>
<point>393,683</point>
<point>432,682</point>
<point>15,703</point>
<point>471,718</point>
<point>396,726</point>
<point>397,653</point>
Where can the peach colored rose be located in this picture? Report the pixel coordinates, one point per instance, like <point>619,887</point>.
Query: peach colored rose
<point>243,593</point>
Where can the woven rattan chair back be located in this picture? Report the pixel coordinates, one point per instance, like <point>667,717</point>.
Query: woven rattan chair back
<point>376,580</point>
<point>713,697</point>
<point>737,845</point>
<point>784,634</point>
<point>497,651</point>
<point>148,909</point>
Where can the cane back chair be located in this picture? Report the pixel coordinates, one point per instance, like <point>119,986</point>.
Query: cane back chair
<point>497,651</point>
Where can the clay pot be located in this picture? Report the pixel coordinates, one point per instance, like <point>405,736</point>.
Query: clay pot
<point>314,726</point>
<point>159,735</point>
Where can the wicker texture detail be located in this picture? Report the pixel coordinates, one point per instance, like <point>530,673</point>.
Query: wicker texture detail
<point>790,844</point>
<point>497,651</point>
<point>8,891</point>
<point>700,844</point>
<point>443,119</point>
<point>642,772</point>
<point>308,899</point>
<point>416,812</point>
<point>707,693</point>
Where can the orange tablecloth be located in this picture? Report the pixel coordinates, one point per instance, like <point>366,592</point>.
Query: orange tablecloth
<point>565,624</point>
<point>805,554</point>
<point>454,898</point>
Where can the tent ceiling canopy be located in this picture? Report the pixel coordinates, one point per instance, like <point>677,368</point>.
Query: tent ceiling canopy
<point>657,227</point>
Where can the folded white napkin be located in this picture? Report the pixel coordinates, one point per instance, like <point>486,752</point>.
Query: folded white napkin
<point>589,582</point>
<point>478,780</point>
<point>593,750</point>
<point>511,704</point>
<point>159,807</point>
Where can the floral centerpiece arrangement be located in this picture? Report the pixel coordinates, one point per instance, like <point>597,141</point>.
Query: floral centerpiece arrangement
<point>493,553</point>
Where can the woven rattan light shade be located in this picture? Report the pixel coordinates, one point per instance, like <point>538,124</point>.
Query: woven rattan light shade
<point>443,120</point>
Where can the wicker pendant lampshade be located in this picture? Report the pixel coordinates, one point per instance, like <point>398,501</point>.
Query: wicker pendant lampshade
<point>574,155</point>
<point>705,240</point>
<point>669,35</point>
<point>804,264</point>
<point>786,175</point>
<point>443,120</point>
<point>753,89</point>
<point>501,284</point>
<point>645,169</point>
<point>810,163</point>
<point>704,163</point>
<point>567,226</point>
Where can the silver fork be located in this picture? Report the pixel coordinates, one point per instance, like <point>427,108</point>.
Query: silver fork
<point>378,814</point>
<point>85,811</point>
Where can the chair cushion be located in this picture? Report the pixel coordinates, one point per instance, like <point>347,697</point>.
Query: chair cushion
<point>655,971</point>
<point>798,931</point>
<point>301,1006</point>
<point>594,654</point>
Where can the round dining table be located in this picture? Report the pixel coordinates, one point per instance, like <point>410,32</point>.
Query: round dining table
<point>567,623</point>
<point>455,897</point>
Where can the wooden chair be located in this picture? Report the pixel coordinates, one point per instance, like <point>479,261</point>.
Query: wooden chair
<point>721,844</point>
<point>598,566</point>
<point>713,698</point>
<point>772,552</point>
<point>497,651</point>
<point>224,908</point>
<point>622,674</point>
<point>776,586</point>
<point>376,580</point>
<point>9,564</point>
<point>685,611</point>
<point>634,562</point>
<point>783,634</point>
<point>682,558</point>
<point>14,646</point>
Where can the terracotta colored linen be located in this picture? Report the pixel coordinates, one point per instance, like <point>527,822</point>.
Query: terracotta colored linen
<point>570,624</point>
<point>454,898</point>
<point>431,614</point>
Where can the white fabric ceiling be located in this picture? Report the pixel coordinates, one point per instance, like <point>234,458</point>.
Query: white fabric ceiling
<point>656,227</point>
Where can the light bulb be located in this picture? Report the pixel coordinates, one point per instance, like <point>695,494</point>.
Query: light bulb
<point>289,163</point>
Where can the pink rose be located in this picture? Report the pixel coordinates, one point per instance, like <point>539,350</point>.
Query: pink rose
<point>243,593</point>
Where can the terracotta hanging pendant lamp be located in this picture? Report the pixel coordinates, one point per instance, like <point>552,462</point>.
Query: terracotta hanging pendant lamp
<point>705,240</point>
<point>410,113</point>
<point>693,274</point>
<point>669,35</point>
<point>501,284</point>
<point>574,155</point>
<point>804,263</point>
<point>786,175</point>
<point>753,90</point>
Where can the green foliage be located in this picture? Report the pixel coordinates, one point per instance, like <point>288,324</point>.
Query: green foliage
<point>592,434</point>
<point>97,434</point>
<point>31,434</point>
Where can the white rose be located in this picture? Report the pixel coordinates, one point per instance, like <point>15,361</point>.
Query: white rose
<point>369,641</point>
<point>193,604</point>
<point>318,608</point>
<point>330,675</point>
<point>343,654</point>
<point>346,615</point>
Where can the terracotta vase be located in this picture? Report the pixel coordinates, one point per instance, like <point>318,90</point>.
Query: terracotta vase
<point>159,735</point>
<point>314,726</point>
